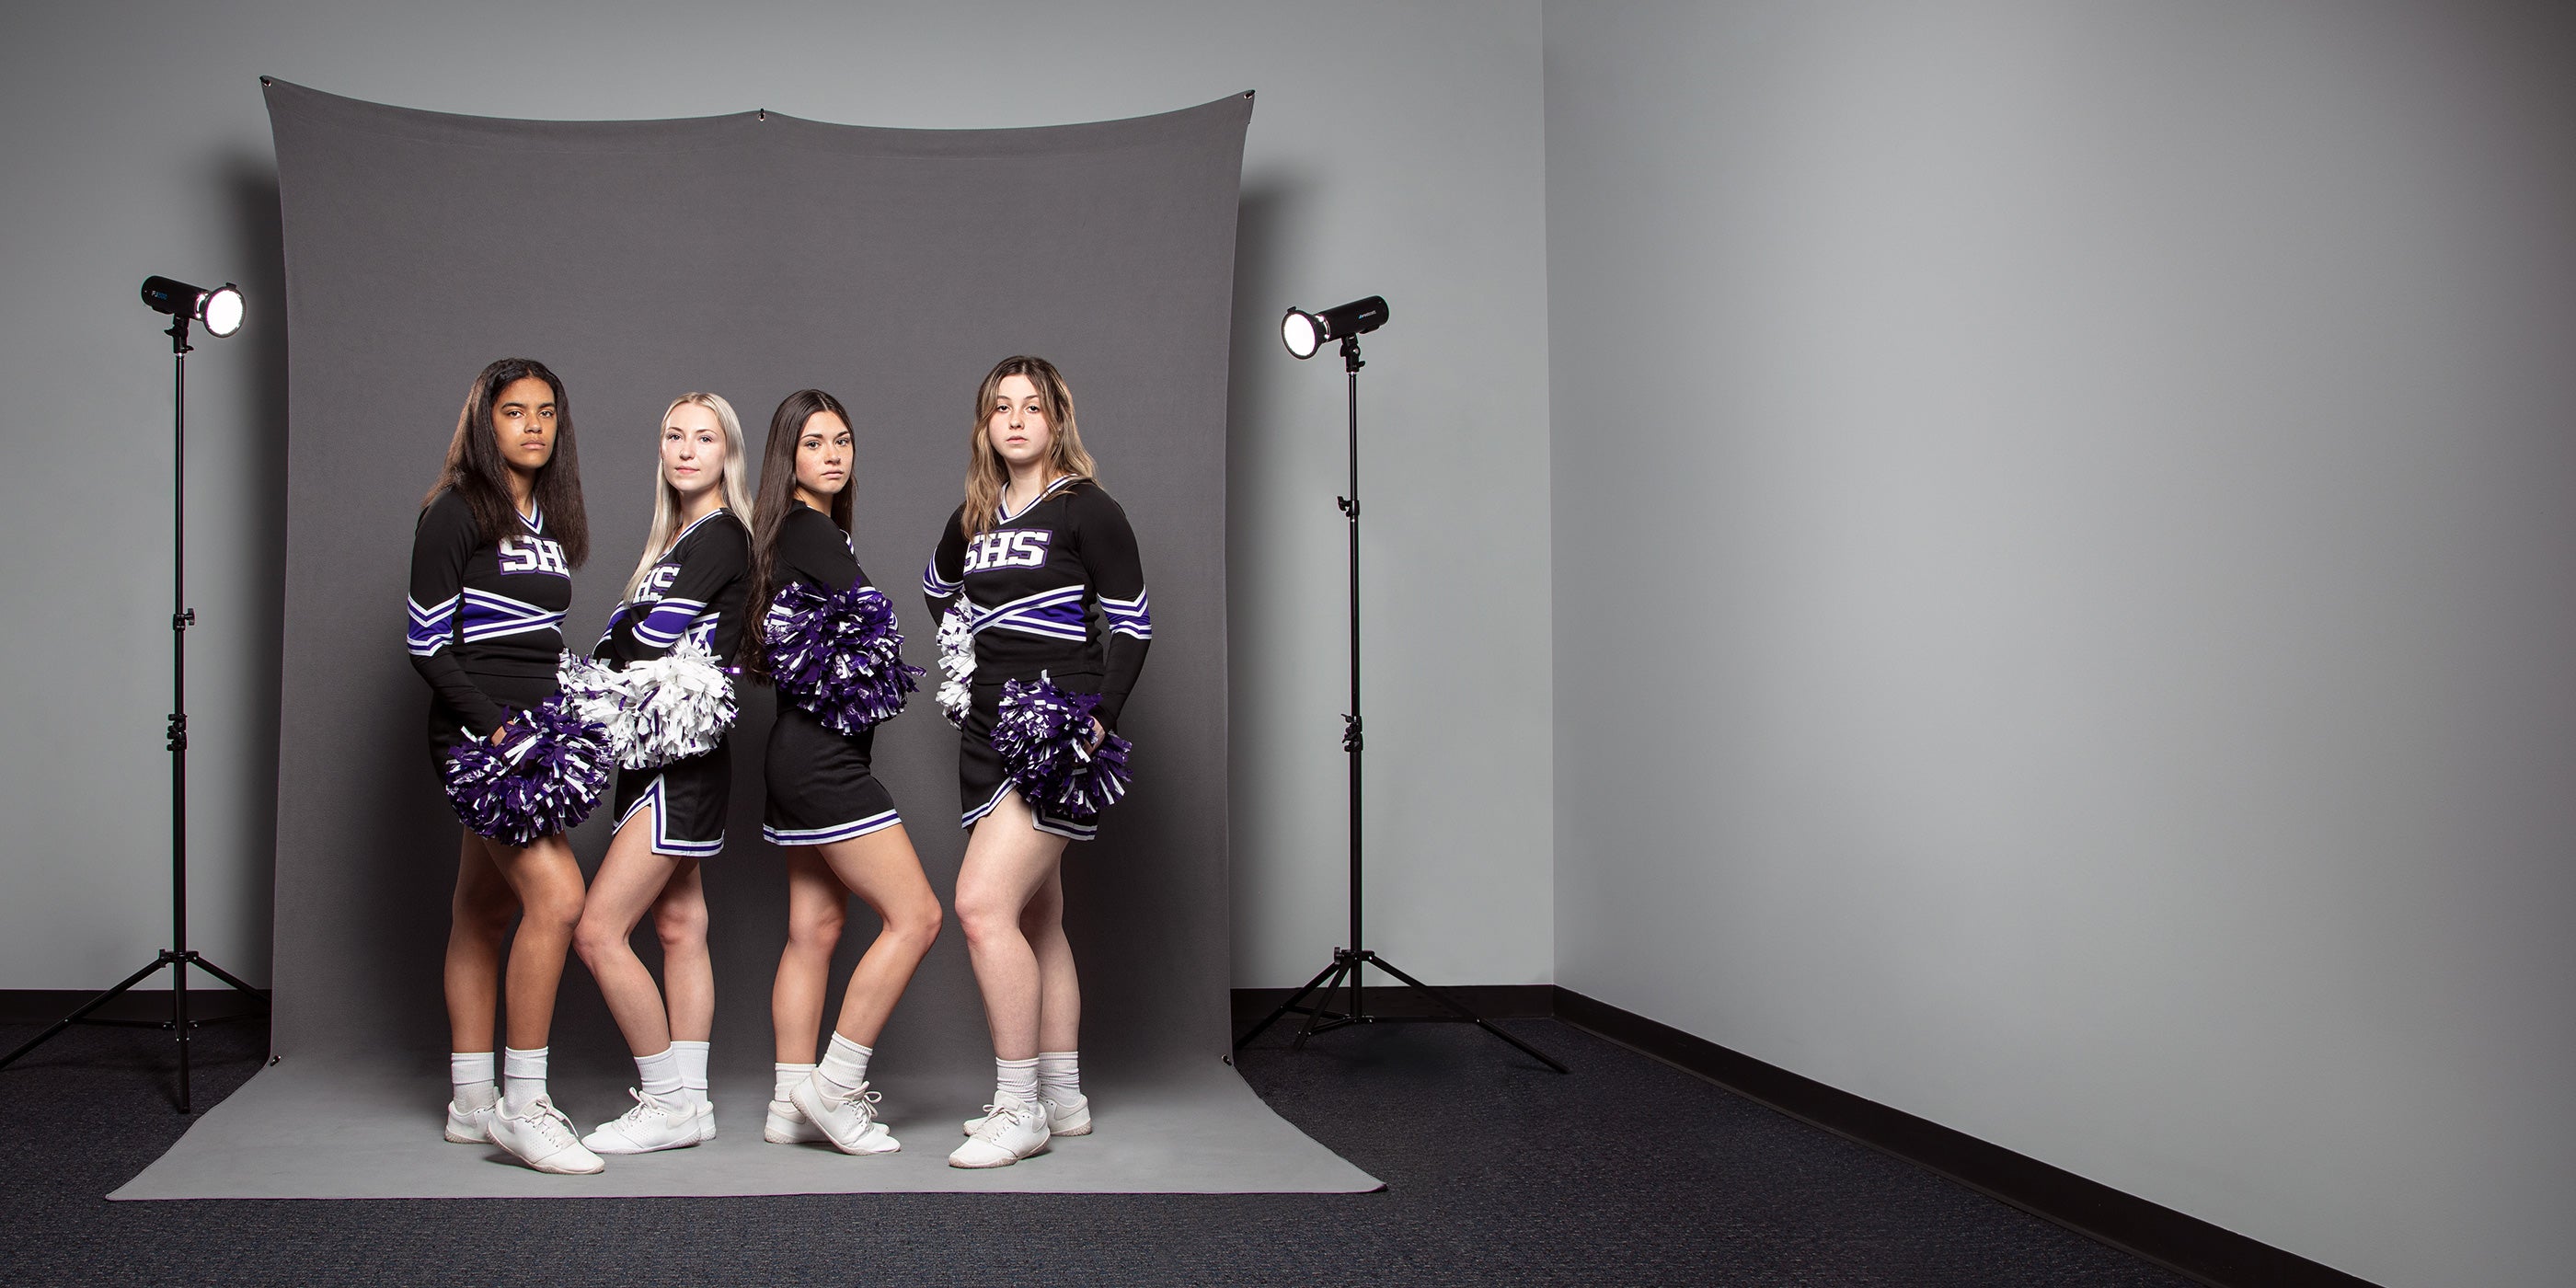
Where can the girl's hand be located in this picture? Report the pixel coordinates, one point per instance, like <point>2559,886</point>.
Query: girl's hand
<point>500,733</point>
<point>1098,735</point>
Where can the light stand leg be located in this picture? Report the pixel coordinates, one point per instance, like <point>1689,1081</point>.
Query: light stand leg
<point>79,1015</point>
<point>1319,1020</point>
<point>1284,1008</point>
<point>1458,1011</point>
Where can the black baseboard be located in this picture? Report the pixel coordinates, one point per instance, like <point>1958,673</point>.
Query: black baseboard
<point>1492,1001</point>
<point>2185,1244</point>
<point>46,1005</point>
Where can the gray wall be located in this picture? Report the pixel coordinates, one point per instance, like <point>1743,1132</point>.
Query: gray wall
<point>1394,150</point>
<point>2067,625</point>
<point>2070,502</point>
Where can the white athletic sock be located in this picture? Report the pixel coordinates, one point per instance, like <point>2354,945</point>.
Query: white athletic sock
<point>470,1072</point>
<point>1060,1076</point>
<point>523,1078</point>
<point>660,1073</point>
<point>693,1069</point>
<point>788,1076</point>
<point>1015,1080</point>
<point>845,1064</point>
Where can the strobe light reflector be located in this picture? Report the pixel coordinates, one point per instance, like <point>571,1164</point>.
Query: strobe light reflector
<point>220,309</point>
<point>1306,333</point>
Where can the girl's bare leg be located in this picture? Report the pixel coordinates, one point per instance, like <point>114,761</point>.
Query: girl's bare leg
<point>882,870</point>
<point>688,970</point>
<point>547,881</point>
<point>1007,863</point>
<point>630,879</point>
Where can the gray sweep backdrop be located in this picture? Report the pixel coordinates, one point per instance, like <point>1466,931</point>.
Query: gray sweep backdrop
<point>749,255</point>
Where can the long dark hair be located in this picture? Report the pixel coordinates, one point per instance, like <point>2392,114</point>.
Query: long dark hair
<point>477,472</point>
<point>775,500</point>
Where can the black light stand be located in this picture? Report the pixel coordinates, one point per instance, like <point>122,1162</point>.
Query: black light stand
<point>1348,962</point>
<point>180,958</point>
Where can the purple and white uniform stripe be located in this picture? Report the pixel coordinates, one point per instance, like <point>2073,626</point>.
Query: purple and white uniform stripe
<point>432,627</point>
<point>1128,616</point>
<point>1054,614</point>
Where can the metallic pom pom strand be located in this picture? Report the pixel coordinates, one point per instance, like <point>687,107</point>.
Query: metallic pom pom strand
<point>679,705</point>
<point>594,691</point>
<point>957,661</point>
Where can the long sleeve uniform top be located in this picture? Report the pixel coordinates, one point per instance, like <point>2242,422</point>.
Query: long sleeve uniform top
<point>812,549</point>
<point>483,607</point>
<point>695,591</point>
<point>1057,587</point>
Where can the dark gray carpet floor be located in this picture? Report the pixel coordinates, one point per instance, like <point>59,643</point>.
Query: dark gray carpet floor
<point>1497,1171</point>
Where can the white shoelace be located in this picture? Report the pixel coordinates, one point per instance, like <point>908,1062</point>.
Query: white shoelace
<point>550,1123</point>
<point>645,1107</point>
<point>997,1118</point>
<point>863,1101</point>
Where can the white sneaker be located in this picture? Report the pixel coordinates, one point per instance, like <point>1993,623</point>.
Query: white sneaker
<point>542,1139</point>
<point>847,1119</point>
<point>1062,1120</point>
<point>788,1125</point>
<point>470,1126</point>
<point>706,1117</point>
<point>1011,1130</point>
<point>654,1123</point>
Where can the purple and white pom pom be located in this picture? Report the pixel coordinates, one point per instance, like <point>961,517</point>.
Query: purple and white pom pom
<point>678,705</point>
<point>839,656</point>
<point>957,661</point>
<point>1044,736</point>
<point>545,779</point>
<point>593,690</point>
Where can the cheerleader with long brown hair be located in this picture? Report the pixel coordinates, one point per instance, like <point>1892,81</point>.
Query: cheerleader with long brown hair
<point>1043,569</point>
<point>825,638</point>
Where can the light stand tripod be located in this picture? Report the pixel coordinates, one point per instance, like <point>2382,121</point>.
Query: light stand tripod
<point>180,958</point>
<point>1348,962</point>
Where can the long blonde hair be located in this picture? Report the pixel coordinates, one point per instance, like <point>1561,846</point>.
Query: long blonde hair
<point>666,499</point>
<point>986,476</point>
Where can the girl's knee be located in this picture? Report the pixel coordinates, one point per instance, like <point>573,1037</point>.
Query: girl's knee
<point>483,916</point>
<point>680,923</point>
<point>596,938</point>
<point>987,920</point>
<point>977,907</point>
<point>554,909</point>
<point>915,922</point>
<point>816,926</point>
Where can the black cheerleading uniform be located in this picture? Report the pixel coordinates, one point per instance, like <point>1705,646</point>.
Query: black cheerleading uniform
<point>1056,588</point>
<point>486,620</point>
<point>821,788</point>
<point>695,592</point>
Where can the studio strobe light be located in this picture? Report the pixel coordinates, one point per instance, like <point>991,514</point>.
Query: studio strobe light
<point>221,311</point>
<point>1305,333</point>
